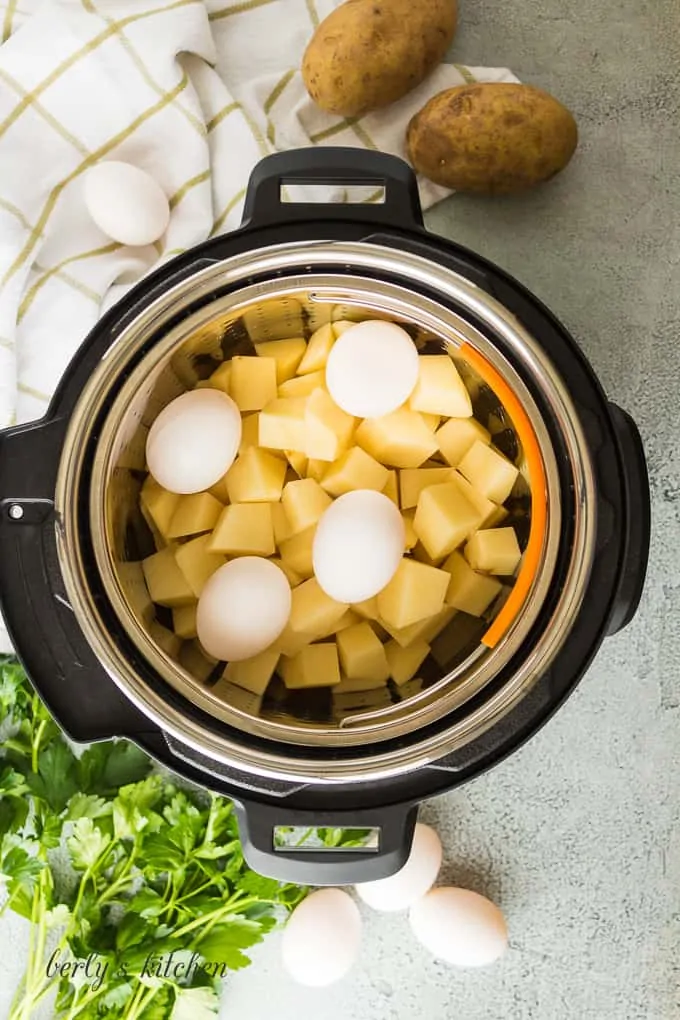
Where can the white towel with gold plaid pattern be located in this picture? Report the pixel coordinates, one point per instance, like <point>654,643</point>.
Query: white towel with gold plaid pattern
<point>193,91</point>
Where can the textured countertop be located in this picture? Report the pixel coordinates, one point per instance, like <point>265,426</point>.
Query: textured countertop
<point>577,836</point>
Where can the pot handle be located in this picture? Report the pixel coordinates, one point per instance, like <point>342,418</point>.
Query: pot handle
<point>258,825</point>
<point>266,203</point>
<point>636,520</point>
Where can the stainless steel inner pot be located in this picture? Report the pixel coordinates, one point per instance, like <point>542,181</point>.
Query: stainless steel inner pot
<point>292,298</point>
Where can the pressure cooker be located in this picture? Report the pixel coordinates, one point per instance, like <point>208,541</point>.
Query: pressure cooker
<point>72,536</point>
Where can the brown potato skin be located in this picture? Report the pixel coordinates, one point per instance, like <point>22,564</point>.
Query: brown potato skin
<point>368,53</point>
<point>491,138</point>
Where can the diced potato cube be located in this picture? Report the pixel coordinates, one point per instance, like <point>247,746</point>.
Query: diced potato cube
<point>303,385</point>
<point>469,591</point>
<point>431,420</point>
<point>341,326</point>
<point>293,577</point>
<point>357,685</point>
<point>486,508</point>
<point>354,469</point>
<point>362,655</point>
<point>219,490</point>
<point>391,488</point>
<point>250,431</point>
<point>457,436</point>
<point>318,349</point>
<point>404,663</point>
<point>420,553</point>
<point>312,611</point>
<point>289,642</point>
<point>286,353</point>
<point>412,481</point>
<point>440,389</point>
<point>296,552</point>
<point>415,592</point>
<point>196,661</point>
<point>411,539</point>
<point>496,551</point>
<point>253,674</point>
<point>237,697</point>
<point>316,469</point>
<point>304,502</point>
<point>298,461</point>
<point>168,641</point>
<point>368,609</point>
<point>313,666</point>
<point>252,383</point>
<point>219,380</point>
<point>184,622</point>
<point>256,477</point>
<point>281,524</point>
<point>423,630</point>
<point>193,514</point>
<point>244,529</point>
<point>166,583</point>
<point>444,518</point>
<point>136,588</point>
<point>400,439</point>
<point>197,562</point>
<point>282,424</point>
<point>328,430</point>
<point>158,506</point>
<point>489,471</point>
<point>496,517</point>
<point>348,619</point>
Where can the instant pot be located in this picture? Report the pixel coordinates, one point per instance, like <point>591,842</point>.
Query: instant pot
<point>72,537</point>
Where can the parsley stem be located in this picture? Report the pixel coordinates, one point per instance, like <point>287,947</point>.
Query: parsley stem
<point>36,744</point>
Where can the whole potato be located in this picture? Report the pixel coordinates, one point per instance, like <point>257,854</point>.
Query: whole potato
<point>491,138</point>
<point>369,53</point>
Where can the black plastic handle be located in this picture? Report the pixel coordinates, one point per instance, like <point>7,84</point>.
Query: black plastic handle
<point>328,866</point>
<point>333,167</point>
<point>637,519</point>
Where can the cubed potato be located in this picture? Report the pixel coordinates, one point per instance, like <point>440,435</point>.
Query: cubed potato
<point>313,666</point>
<point>411,538</point>
<point>412,481</point>
<point>303,385</point>
<point>391,488</point>
<point>362,656</point>
<point>166,583</point>
<point>348,619</point>
<point>194,514</point>
<point>252,383</point>
<point>237,697</point>
<point>431,420</point>
<point>469,591</point>
<point>253,674</point>
<point>486,508</point>
<point>318,349</point>
<point>316,469</point>
<point>219,490</point>
<point>423,630</point>
<point>289,642</point>
<point>341,326</point>
<point>298,461</point>
<point>166,639</point>
<point>495,551</point>
<point>457,436</point>
<point>354,469</point>
<point>293,577</point>
<point>281,524</point>
<point>184,622</point>
<point>282,424</point>
<point>250,431</point>
<point>256,476</point>
<point>404,663</point>
<point>133,581</point>
<point>296,552</point>
<point>415,592</point>
<point>244,529</point>
<point>368,609</point>
<point>420,553</point>
<point>286,353</point>
<point>358,685</point>
<point>197,562</point>
<point>444,518</point>
<point>440,389</point>
<point>496,517</point>
<point>489,471</point>
<point>312,611</point>
<point>304,502</point>
<point>328,430</point>
<point>196,660</point>
<point>400,439</point>
<point>158,506</point>
<point>219,380</point>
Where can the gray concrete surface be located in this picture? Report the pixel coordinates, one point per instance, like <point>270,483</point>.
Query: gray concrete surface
<point>577,837</point>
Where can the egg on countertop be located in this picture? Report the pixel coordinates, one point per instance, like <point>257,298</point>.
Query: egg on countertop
<point>358,545</point>
<point>243,608</point>
<point>126,203</point>
<point>321,939</point>
<point>372,369</point>
<point>400,891</point>
<point>460,927</point>
<point>194,440</point>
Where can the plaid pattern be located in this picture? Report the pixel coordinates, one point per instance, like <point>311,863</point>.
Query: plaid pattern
<point>194,92</point>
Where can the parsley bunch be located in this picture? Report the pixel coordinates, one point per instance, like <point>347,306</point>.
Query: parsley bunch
<point>156,902</point>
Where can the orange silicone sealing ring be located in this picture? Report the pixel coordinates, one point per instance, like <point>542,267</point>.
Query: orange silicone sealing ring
<point>538,487</point>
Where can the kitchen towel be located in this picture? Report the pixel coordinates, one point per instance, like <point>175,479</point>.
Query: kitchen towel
<point>193,91</point>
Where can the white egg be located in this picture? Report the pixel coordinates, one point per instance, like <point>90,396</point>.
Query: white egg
<point>418,875</point>
<point>321,939</point>
<point>372,369</point>
<point>194,440</point>
<point>358,545</point>
<point>243,608</point>
<point>126,203</point>
<point>460,927</point>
